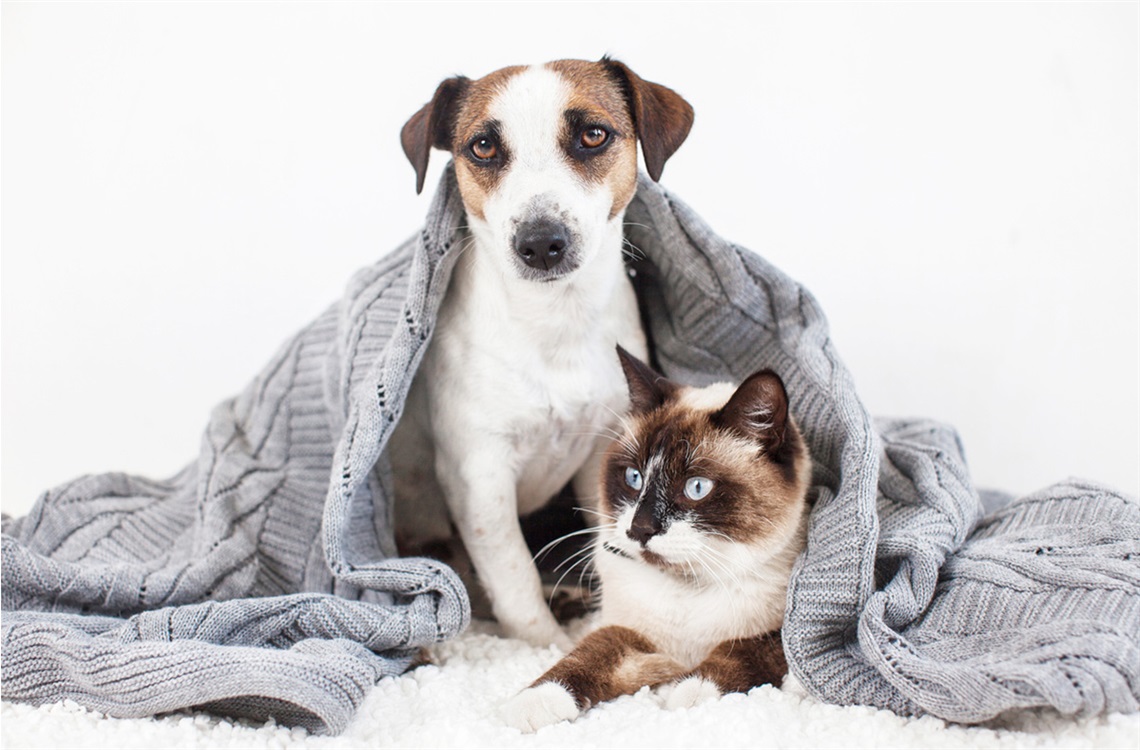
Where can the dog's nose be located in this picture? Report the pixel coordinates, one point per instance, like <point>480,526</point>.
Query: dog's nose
<point>541,244</point>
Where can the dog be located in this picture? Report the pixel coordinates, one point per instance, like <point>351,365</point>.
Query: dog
<point>519,387</point>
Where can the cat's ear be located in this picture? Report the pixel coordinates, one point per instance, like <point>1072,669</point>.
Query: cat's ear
<point>758,410</point>
<point>647,389</point>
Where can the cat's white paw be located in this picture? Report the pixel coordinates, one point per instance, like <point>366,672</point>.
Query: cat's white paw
<point>688,692</point>
<point>539,706</point>
<point>793,686</point>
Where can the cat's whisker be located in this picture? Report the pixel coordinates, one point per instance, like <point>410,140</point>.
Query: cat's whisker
<point>618,415</point>
<point>692,571</point>
<point>722,562</point>
<point>714,532</point>
<point>623,419</point>
<point>546,547</point>
<point>630,448</point>
<point>702,558</point>
<point>599,514</point>
<point>610,433</point>
<point>718,554</point>
<point>734,602</point>
<point>585,557</point>
<point>589,569</point>
<point>578,554</point>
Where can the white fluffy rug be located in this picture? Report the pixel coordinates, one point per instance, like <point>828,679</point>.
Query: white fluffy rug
<point>455,704</point>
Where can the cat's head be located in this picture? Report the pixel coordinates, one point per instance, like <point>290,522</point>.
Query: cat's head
<point>704,477</point>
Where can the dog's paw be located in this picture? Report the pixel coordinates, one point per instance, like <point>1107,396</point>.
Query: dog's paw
<point>544,634</point>
<point>688,692</point>
<point>539,706</point>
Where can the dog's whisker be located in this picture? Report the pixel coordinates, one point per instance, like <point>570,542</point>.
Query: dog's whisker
<point>630,250</point>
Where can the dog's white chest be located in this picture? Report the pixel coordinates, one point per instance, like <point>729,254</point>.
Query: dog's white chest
<point>539,417</point>
<point>553,431</point>
<point>525,382</point>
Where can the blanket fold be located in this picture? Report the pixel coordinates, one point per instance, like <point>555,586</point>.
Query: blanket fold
<point>263,579</point>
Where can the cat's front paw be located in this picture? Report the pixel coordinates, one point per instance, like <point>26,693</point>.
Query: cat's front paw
<point>539,706</point>
<point>688,692</point>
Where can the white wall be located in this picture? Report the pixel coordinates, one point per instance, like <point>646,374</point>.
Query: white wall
<point>184,185</point>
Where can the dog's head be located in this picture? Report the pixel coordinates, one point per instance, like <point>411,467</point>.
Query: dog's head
<point>546,156</point>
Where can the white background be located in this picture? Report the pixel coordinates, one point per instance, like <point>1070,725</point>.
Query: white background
<point>185,185</point>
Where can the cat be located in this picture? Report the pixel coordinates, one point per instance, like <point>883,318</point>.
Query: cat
<point>705,492</point>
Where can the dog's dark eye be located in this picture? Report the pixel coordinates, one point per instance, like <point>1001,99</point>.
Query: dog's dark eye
<point>484,149</point>
<point>593,137</point>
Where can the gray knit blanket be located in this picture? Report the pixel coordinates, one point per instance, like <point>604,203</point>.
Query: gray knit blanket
<point>262,580</point>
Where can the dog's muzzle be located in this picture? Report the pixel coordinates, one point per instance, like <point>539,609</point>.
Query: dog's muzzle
<point>542,244</point>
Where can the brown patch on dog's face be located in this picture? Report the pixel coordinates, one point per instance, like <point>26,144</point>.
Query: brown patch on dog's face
<point>477,179</point>
<point>597,103</point>
<point>604,97</point>
<point>546,158</point>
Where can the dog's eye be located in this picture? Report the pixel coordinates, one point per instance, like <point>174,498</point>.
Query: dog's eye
<point>698,488</point>
<point>484,149</point>
<point>593,137</point>
<point>633,478</point>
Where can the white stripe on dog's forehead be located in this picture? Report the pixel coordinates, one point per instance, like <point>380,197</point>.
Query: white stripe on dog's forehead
<point>529,109</point>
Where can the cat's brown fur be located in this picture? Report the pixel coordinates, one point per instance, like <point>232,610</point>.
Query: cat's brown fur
<point>706,489</point>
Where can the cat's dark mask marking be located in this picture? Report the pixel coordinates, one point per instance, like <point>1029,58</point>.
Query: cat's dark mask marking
<point>748,447</point>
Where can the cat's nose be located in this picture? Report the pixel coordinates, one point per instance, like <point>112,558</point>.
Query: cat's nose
<point>643,528</point>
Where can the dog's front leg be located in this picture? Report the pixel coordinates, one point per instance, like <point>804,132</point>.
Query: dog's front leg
<point>483,503</point>
<point>587,484</point>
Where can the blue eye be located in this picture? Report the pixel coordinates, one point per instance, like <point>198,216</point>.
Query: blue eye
<point>633,478</point>
<point>698,488</point>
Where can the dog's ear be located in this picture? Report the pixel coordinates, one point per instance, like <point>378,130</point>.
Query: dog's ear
<point>433,125</point>
<point>647,389</point>
<point>661,116</point>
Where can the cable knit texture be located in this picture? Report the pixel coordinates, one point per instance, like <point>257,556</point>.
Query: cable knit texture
<point>262,579</point>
